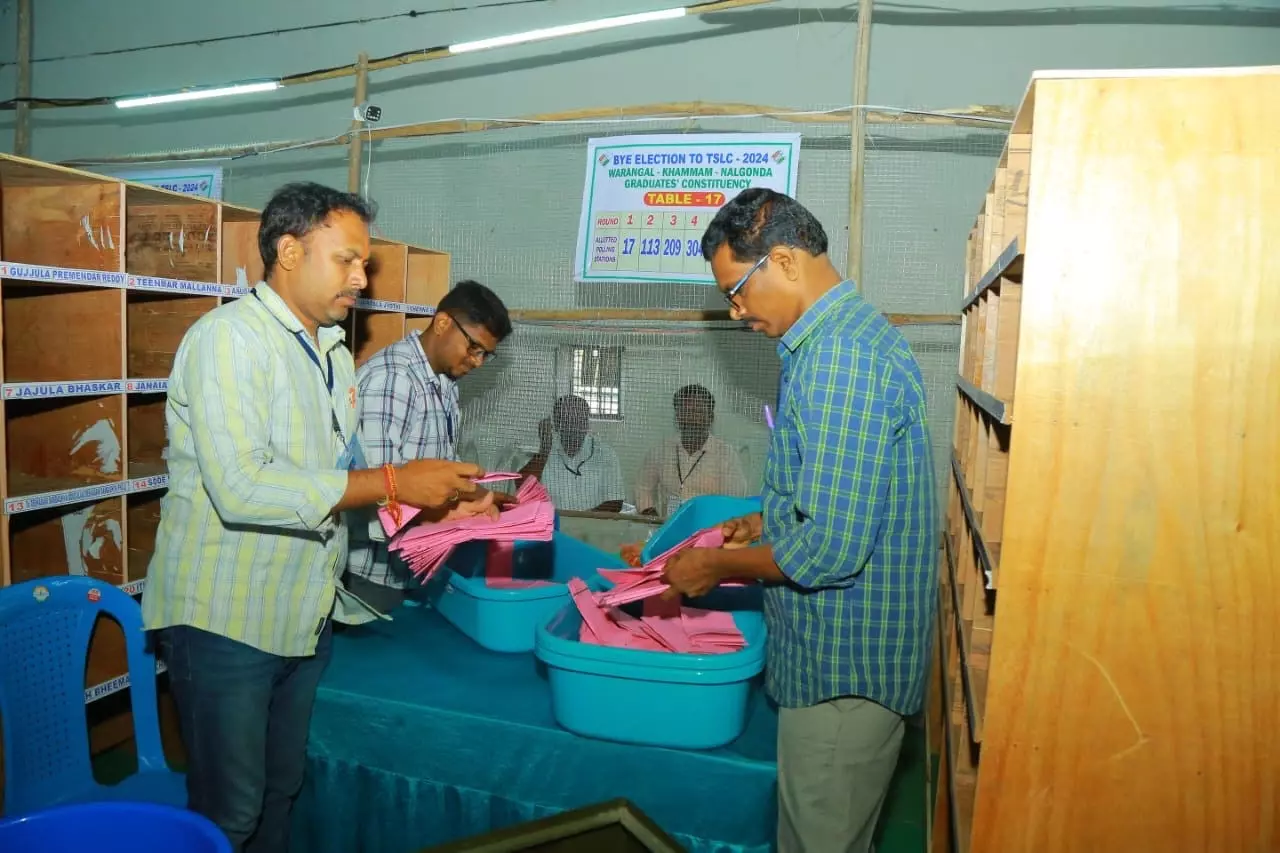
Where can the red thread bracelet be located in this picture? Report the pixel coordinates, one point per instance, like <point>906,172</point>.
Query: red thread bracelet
<point>393,505</point>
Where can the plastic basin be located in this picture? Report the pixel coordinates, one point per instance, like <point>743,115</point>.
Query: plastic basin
<point>693,515</point>
<point>507,620</point>
<point>112,827</point>
<point>683,701</point>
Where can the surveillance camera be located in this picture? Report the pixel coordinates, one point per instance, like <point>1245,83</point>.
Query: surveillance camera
<point>368,113</point>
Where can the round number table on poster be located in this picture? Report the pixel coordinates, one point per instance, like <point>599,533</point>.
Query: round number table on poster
<point>656,239</point>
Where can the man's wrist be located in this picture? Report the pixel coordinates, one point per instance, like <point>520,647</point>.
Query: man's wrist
<point>719,562</point>
<point>752,563</point>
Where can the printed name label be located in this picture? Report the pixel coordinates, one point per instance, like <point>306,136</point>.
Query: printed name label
<point>44,390</point>
<point>146,386</point>
<point>62,275</point>
<point>84,494</point>
<point>176,285</point>
<point>395,307</point>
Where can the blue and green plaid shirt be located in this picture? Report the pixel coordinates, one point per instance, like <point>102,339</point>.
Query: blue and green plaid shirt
<point>849,508</point>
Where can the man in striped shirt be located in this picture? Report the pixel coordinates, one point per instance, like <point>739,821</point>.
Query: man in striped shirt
<point>244,582</point>
<point>408,409</point>
<point>846,543</point>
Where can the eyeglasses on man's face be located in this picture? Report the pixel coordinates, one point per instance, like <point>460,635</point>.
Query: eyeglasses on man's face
<point>474,348</point>
<point>731,295</point>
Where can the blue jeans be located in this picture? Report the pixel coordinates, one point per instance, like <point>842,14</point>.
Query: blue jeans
<point>244,716</point>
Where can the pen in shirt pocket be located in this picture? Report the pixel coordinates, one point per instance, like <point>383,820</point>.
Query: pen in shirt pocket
<point>768,416</point>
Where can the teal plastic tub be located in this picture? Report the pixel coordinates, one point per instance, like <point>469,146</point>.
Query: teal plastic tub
<point>507,620</point>
<point>681,701</point>
<point>693,515</point>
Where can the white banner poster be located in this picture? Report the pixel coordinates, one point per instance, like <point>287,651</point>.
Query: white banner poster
<point>203,181</point>
<point>647,199</point>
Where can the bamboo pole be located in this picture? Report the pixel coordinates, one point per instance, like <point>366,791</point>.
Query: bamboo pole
<point>22,115</point>
<point>858,141</point>
<point>357,124</point>
<point>643,315</point>
<point>442,52</point>
<point>979,116</point>
<point>975,116</point>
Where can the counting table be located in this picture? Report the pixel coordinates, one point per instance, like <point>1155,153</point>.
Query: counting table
<point>421,737</point>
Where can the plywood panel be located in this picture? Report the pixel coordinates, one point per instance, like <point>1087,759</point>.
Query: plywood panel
<point>428,276</point>
<point>173,240</point>
<point>375,330</point>
<point>143,518</point>
<point>147,437</point>
<point>106,653</point>
<point>387,269</point>
<point>241,258</point>
<point>63,443</point>
<point>155,325</point>
<point>55,333</point>
<point>67,225</point>
<point>1136,699</point>
<point>83,539</point>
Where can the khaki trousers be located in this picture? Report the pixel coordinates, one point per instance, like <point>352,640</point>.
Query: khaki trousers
<point>835,762</point>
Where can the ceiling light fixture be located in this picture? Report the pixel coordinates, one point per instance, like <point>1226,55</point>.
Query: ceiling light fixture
<point>198,94</point>
<point>569,30</point>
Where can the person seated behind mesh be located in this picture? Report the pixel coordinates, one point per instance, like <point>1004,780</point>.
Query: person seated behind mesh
<point>693,463</point>
<point>580,471</point>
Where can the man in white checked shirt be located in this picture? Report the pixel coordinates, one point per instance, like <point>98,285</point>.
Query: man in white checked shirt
<point>409,409</point>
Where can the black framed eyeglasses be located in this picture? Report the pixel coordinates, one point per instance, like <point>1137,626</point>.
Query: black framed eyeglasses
<point>732,293</point>
<point>474,348</point>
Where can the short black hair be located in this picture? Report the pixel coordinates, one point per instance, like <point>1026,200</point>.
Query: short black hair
<point>473,302</point>
<point>298,209</point>
<point>759,219</point>
<point>690,393</point>
<point>570,401</point>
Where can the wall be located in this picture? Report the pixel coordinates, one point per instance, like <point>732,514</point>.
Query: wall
<point>505,203</point>
<point>789,53</point>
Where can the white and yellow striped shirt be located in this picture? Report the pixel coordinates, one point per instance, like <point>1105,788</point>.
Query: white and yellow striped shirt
<point>257,420</point>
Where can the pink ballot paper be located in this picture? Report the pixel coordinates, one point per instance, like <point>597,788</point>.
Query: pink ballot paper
<point>646,581</point>
<point>664,627</point>
<point>425,547</point>
<point>408,513</point>
<point>497,477</point>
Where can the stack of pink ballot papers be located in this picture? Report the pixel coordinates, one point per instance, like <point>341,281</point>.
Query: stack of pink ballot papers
<point>425,547</point>
<point>664,627</point>
<point>646,581</point>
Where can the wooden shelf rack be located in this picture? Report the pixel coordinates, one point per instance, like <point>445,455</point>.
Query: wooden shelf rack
<point>1116,478</point>
<point>99,281</point>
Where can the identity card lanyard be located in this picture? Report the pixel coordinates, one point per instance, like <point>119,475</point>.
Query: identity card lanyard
<point>328,378</point>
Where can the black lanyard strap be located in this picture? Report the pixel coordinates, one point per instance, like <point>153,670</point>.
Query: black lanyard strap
<point>327,377</point>
<point>577,472</point>
<point>681,474</point>
<point>448,414</point>
<point>315,359</point>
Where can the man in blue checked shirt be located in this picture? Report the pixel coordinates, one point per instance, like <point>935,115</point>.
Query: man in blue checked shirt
<point>846,545</point>
<point>408,409</point>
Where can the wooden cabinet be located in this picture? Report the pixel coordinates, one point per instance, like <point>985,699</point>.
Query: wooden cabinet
<point>99,281</point>
<point>1109,656</point>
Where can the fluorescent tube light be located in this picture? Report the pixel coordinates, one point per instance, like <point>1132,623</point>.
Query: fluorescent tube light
<point>198,94</point>
<point>569,30</point>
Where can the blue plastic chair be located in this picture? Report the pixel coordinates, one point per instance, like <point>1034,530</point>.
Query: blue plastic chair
<point>112,828</point>
<point>45,627</point>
